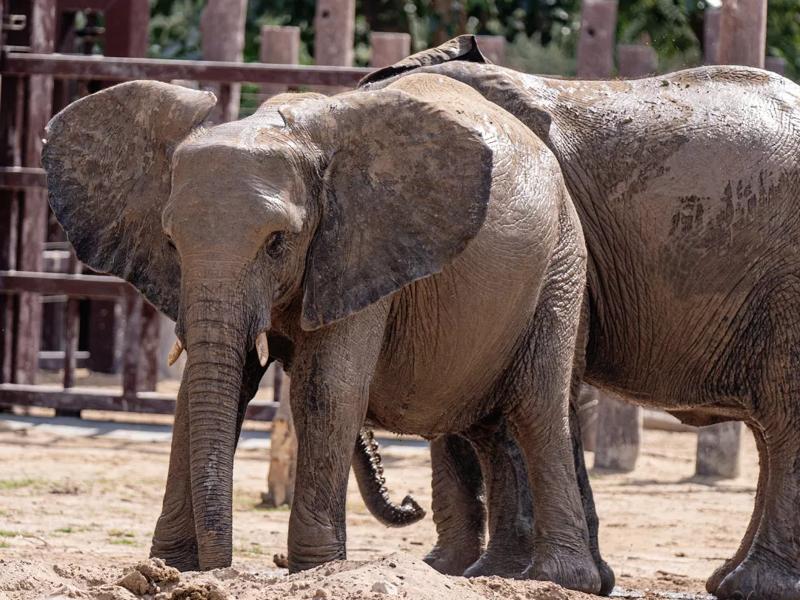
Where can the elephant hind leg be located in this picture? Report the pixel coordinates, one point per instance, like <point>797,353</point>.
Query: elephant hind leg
<point>458,509</point>
<point>723,571</point>
<point>771,565</point>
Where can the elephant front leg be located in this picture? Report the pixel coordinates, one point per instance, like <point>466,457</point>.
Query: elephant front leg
<point>331,373</point>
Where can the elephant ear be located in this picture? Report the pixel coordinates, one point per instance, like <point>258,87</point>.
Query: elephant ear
<point>406,188</point>
<point>463,47</point>
<point>107,158</point>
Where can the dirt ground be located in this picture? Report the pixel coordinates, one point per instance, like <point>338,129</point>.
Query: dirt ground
<point>79,499</point>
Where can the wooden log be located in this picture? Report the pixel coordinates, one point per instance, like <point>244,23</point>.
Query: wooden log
<point>35,209</point>
<point>148,358</point>
<point>493,47</point>
<point>743,33</point>
<point>334,32</point>
<point>712,18</point>
<point>222,30</point>
<point>132,344</point>
<point>388,48</point>
<point>718,450</point>
<point>283,450</point>
<point>279,45</point>
<point>619,433</point>
<point>636,60</point>
<point>597,39</point>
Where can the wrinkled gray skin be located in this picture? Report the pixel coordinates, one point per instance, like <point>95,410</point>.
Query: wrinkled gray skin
<point>687,189</point>
<point>415,246</point>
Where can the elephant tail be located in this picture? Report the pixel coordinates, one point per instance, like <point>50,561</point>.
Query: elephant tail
<point>368,469</point>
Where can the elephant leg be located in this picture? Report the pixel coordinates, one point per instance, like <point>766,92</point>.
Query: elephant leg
<point>536,393</point>
<point>722,572</point>
<point>331,374</point>
<point>607,577</point>
<point>174,539</point>
<point>509,501</point>
<point>458,509</point>
<point>771,567</point>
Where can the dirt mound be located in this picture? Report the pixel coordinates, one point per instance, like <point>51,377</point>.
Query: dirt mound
<point>396,576</point>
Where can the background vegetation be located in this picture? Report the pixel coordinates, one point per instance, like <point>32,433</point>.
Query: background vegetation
<point>542,34</point>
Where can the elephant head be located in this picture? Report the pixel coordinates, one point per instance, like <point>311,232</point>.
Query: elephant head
<point>300,215</point>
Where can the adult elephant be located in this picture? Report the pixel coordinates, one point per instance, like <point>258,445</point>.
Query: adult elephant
<point>687,189</point>
<point>416,246</point>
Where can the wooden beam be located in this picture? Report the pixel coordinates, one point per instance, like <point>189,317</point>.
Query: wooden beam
<point>74,66</point>
<point>597,39</point>
<point>743,33</point>
<point>75,286</point>
<point>334,32</point>
<point>279,45</point>
<point>110,399</point>
<point>388,48</point>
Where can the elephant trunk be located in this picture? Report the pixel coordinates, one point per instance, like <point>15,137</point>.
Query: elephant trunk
<point>369,475</point>
<point>216,341</point>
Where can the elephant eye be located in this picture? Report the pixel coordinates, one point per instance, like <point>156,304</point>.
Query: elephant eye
<point>275,244</point>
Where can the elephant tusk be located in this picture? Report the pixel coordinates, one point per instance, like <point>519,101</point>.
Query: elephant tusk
<point>262,346</point>
<point>175,353</point>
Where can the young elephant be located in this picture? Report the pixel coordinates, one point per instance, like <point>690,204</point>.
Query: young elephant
<point>687,189</point>
<point>416,245</point>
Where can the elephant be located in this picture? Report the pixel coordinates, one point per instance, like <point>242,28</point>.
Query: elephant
<point>415,246</point>
<point>686,186</point>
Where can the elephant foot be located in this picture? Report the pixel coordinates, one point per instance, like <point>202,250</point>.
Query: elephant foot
<point>452,559</point>
<point>179,554</point>
<point>756,577</point>
<point>713,582</point>
<point>500,564</point>
<point>569,569</point>
<point>607,578</point>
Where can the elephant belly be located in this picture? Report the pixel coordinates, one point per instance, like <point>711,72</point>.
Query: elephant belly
<point>450,337</point>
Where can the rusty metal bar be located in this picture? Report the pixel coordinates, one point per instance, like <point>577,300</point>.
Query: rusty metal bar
<point>74,66</point>
<point>75,286</point>
<point>14,178</point>
<point>83,398</point>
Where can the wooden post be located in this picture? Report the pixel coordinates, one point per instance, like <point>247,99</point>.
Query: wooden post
<point>388,48</point>
<point>743,32</point>
<point>35,209</point>
<point>619,433</point>
<point>222,29</point>
<point>132,344</point>
<point>718,450</point>
<point>493,47</point>
<point>148,358</point>
<point>283,449</point>
<point>712,18</point>
<point>334,31</point>
<point>126,27</point>
<point>279,46</point>
<point>636,60</point>
<point>597,39</point>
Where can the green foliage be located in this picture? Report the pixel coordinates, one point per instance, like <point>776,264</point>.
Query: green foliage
<point>542,34</point>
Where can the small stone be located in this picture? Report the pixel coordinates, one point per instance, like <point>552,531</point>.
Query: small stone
<point>384,587</point>
<point>135,582</point>
<point>280,561</point>
<point>320,593</point>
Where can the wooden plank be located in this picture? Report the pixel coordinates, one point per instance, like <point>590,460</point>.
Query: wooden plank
<point>110,399</point>
<point>75,286</point>
<point>14,178</point>
<point>73,66</point>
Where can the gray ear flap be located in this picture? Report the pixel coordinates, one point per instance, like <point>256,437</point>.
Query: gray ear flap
<point>463,47</point>
<point>107,158</point>
<point>406,189</point>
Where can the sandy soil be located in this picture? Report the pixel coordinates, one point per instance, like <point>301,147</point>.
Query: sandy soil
<point>77,512</point>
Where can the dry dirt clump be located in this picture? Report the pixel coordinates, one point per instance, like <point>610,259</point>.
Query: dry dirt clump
<point>397,576</point>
